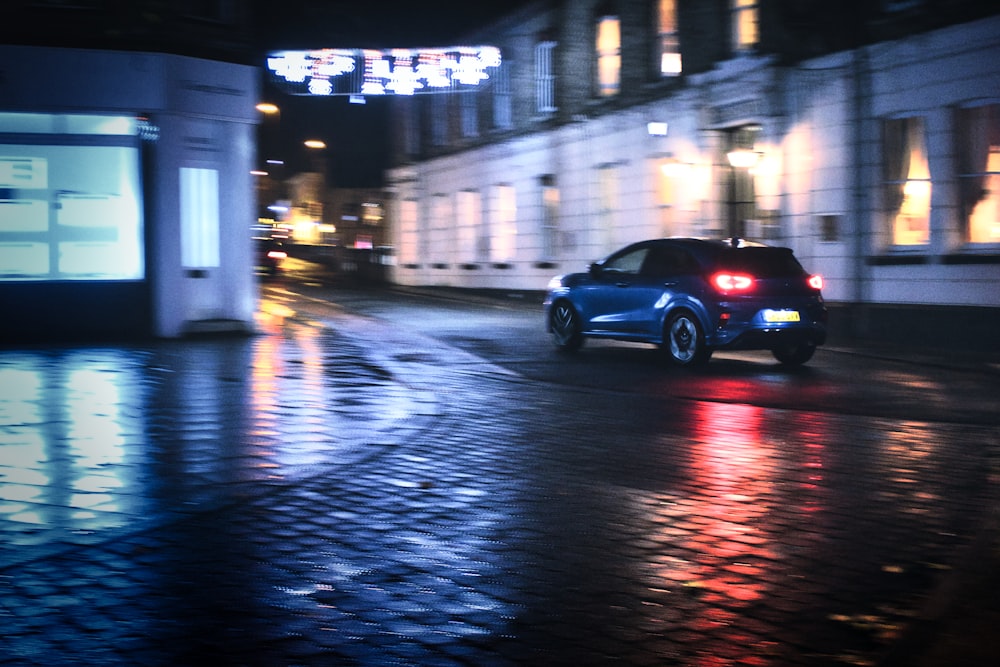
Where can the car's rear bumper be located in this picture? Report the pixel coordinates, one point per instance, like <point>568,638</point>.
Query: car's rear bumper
<point>772,337</point>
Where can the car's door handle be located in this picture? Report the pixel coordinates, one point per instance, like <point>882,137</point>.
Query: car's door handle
<point>670,283</point>
<point>621,284</point>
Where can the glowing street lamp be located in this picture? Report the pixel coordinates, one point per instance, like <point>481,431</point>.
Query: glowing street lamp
<point>314,143</point>
<point>268,108</point>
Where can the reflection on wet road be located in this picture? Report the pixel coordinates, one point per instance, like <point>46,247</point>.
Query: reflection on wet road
<point>339,491</point>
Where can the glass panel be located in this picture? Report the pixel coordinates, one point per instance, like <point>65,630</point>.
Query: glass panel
<point>70,202</point>
<point>199,218</point>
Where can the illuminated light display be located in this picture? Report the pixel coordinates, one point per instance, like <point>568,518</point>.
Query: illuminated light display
<point>356,72</point>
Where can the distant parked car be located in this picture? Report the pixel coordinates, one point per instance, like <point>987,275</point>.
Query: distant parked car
<point>270,255</point>
<point>692,297</point>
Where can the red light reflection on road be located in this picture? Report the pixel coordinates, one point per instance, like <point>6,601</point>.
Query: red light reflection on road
<point>732,473</point>
<point>755,484</point>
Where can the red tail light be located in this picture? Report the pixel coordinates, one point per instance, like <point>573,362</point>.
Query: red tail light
<point>732,282</point>
<point>816,281</point>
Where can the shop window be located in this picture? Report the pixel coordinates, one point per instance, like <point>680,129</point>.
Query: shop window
<point>669,44</point>
<point>70,201</point>
<point>745,24</point>
<point>906,181</point>
<point>609,55</point>
<point>978,145</point>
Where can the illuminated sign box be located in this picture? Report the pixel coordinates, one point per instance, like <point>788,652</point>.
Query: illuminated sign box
<point>360,72</point>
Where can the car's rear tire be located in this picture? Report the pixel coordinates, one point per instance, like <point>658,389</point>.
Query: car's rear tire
<point>565,325</point>
<point>684,341</point>
<point>794,354</point>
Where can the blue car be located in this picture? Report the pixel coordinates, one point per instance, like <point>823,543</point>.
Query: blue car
<point>692,297</point>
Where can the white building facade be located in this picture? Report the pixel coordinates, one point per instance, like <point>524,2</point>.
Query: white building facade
<point>878,164</point>
<point>126,198</point>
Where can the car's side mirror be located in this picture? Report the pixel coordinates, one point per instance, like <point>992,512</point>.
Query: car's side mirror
<point>596,268</point>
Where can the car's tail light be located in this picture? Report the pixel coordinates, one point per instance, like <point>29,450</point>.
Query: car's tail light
<point>816,281</point>
<point>732,282</point>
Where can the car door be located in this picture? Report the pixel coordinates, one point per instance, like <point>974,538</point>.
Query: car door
<point>619,299</point>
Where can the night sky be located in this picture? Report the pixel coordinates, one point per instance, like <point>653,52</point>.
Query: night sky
<point>355,134</point>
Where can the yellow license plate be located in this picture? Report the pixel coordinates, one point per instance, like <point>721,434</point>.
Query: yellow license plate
<point>781,316</point>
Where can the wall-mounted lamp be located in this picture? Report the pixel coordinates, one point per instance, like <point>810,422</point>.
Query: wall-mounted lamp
<point>743,158</point>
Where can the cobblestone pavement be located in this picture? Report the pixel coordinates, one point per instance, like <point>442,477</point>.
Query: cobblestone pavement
<point>335,492</point>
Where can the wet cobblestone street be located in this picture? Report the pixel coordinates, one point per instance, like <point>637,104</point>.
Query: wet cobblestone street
<point>307,496</point>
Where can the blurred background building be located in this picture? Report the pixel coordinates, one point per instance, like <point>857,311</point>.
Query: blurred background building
<point>862,134</point>
<point>865,135</point>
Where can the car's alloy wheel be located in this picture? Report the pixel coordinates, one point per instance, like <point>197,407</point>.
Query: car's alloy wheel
<point>565,325</point>
<point>684,341</point>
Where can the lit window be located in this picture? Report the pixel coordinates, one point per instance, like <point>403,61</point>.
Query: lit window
<point>550,216</point>
<point>907,182</point>
<point>468,217</point>
<point>609,55</point>
<point>409,233</point>
<point>199,217</point>
<point>979,172</point>
<point>503,223</point>
<point>670,52</point>
<point>607,179</point>
<point>440,229</point>
<point>545,97</point>
<point>745,32</point>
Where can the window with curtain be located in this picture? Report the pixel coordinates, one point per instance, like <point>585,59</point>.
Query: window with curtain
<point>745,24</point>
<point>609,55</point>
<point>906,181</point>
<point>978,146</point>
<point>670,51</point>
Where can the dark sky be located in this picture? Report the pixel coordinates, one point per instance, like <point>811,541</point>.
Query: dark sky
<point>355,134</point>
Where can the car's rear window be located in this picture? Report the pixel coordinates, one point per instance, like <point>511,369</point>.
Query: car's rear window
<point>761,262</point>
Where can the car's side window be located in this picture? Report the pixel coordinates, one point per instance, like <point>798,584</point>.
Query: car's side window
<point>630,262</point>
<point>665,261</point>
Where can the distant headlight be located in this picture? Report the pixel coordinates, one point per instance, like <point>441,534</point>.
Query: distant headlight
<point>555,283</point>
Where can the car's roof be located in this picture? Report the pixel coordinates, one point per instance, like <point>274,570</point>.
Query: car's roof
<point>717,243</point>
